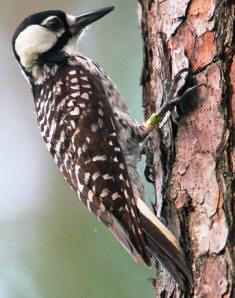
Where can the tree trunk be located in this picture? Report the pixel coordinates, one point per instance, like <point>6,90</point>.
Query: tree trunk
<point>193,171</point>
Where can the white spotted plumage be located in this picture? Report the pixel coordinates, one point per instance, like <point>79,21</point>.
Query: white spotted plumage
<point>90,134</point>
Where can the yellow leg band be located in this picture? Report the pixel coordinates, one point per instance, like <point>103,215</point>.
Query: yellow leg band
<point>152,122</point>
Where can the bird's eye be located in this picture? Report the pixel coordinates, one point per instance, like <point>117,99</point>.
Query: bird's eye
<point>54,24</point>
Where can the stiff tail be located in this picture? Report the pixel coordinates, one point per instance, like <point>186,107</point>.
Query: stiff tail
<point>129,247</point>
<point>164,247</point>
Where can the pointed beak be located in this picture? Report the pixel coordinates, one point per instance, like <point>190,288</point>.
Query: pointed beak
<point>88,17</point>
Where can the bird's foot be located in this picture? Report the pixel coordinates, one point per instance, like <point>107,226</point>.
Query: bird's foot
<point>175,92</point>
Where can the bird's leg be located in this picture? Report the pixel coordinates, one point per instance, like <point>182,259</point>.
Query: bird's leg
<point>156,119</point>
<point>134,137</point>
<point>172,99</point>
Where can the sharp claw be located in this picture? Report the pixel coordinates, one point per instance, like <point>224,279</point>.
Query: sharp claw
<point>168,106</point>
<point>178,75</point>
<point>189,90</point>
<point>170,103</point>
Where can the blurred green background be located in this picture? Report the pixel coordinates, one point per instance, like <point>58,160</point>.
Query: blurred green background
<point>50,245</point>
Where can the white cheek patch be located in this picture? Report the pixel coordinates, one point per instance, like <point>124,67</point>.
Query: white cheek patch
<point>31,42</point>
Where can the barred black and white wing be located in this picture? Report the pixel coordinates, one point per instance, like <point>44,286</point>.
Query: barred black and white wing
<point>92,138</point>
<point>78,127</point>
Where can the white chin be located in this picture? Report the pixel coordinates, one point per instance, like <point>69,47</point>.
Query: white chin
<point>72,44</point>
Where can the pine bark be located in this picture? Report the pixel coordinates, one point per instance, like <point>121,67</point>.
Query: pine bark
<point>193,172</point>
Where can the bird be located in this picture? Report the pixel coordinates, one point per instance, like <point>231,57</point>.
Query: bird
<point>91,136</point>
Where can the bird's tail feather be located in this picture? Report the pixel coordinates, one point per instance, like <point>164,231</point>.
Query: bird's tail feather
<point>164,247</point>
<point>121,237</point>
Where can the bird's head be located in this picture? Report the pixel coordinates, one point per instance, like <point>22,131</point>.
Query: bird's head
<point>42,37</point>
